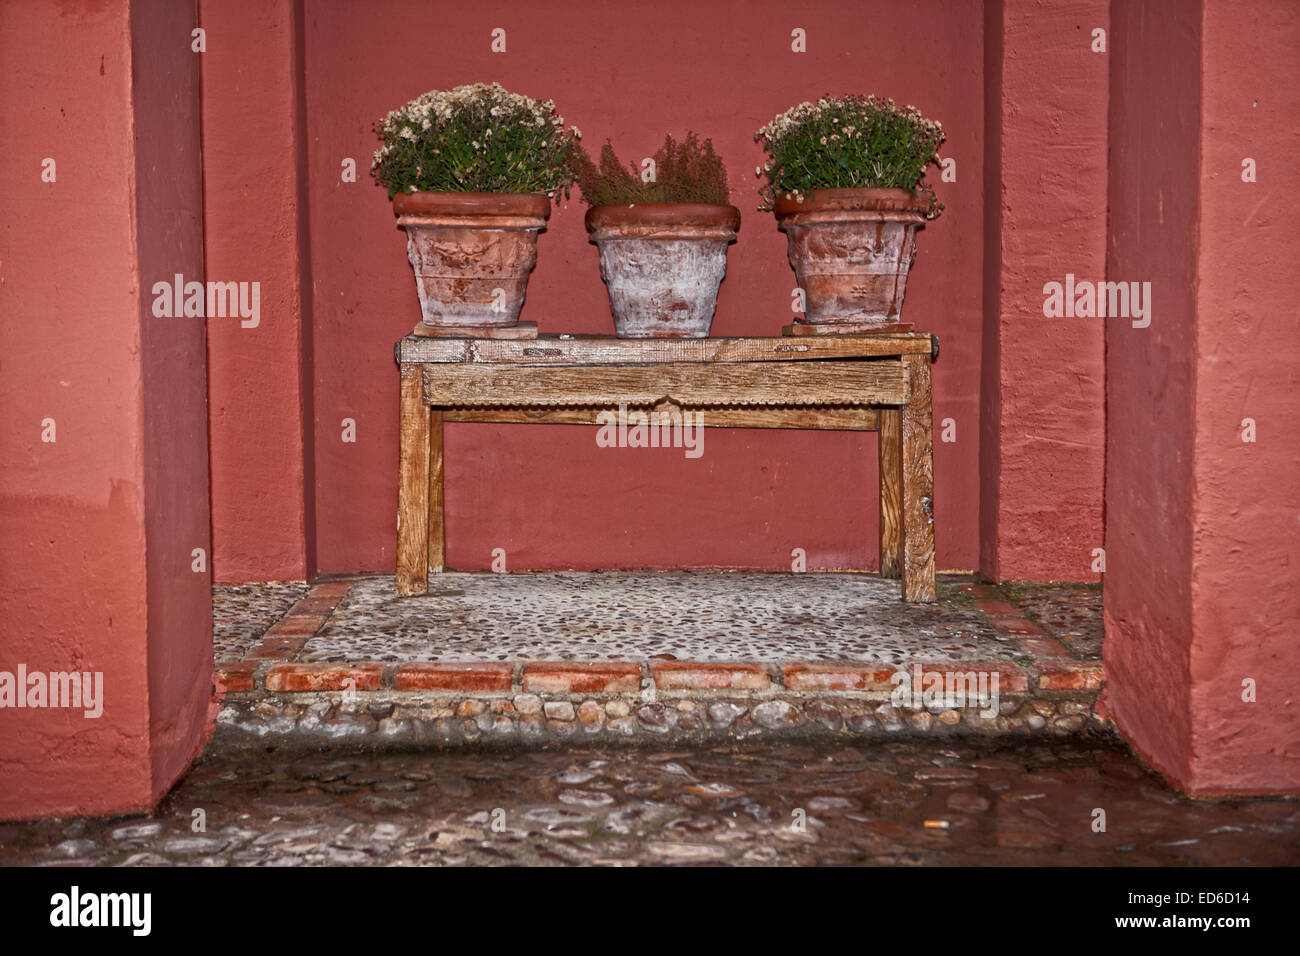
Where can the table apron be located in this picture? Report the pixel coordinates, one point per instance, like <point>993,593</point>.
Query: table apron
<point>815,417</point>
<point>690,384</point>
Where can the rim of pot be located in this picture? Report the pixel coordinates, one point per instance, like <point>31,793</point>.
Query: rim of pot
<point>818,200</point>
<point>707,215</point>
<point>472,204</point>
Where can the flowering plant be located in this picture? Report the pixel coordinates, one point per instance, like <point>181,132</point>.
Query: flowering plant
<point>685,172</point>
<point>479,138</point>
<point>849,142</point>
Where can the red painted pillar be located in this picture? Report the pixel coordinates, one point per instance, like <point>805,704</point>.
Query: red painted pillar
<point>1042,392</point>
<point>1203,497</point>
<point>103,492</point>
<point>254,231</point>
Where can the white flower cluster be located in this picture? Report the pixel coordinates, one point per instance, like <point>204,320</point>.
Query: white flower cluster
<point>847,142</point>
<point>442,107</point>
<point>479,137</point>
<point>800,116</point>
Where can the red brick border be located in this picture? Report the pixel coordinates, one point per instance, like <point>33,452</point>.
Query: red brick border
<point>995,607</point>
<point>234,676</point>
<point>594,677</point>
<point>308,677</point>
<point>286,637</point>
<point>334,589</point>
<point>838,677</point>
<point>1070,675</point>
<point>1011,677</point>
<point>694,675</point>
<point>471,677</point>
<point>297,625</point>
<point>1016,626</point>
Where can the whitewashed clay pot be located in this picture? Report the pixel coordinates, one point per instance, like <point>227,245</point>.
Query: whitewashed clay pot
<point>662,264</point>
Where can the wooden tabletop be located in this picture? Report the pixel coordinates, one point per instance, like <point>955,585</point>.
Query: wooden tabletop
<point>608,350</point>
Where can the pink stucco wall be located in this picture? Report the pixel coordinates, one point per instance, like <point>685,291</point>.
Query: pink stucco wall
<point>1030,509</point>
<point>1201,586</point>
<point>261,488</point>
<point>547,494</point>
<point>1043,406</point>
<point>169,239</point>
<point>1150,376</point>
<point>98,525</point>
<point>1039,434</point>
<point>73,509</point>
<point>1245,583</point>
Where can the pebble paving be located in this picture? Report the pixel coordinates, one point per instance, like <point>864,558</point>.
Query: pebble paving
<point>682,615</point>
<point>241,613</point>
<point>907,802</point>
<point>1071,613</point>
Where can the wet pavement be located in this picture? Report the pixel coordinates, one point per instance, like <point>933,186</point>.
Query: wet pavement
<point>790,798</point>
<point>907,801</point>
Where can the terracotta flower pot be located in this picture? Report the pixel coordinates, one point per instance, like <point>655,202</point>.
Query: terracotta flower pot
<point>472,253</point>
<point>662,264</point>
<point>851,250</point>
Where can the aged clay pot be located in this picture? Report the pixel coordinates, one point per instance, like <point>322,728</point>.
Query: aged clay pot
<point>472,253</point>
<point>662,264</point>
<point>851,250</point>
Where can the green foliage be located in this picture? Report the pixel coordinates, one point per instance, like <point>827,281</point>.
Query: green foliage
<point>849,142</point>
<point>685,172</point>
<point>478,138</point>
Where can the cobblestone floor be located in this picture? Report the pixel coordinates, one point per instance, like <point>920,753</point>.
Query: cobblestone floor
<point>911,801</point>
<point>1070,612</point>
<point>621,615</point>
<point>548,655</point>
<point>241,613</point>
<point>695,615</point>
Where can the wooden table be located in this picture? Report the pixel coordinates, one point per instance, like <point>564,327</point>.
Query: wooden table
<point>874,382</point>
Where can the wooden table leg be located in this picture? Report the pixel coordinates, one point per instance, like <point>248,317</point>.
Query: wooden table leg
<point>891,493</point>
<point>918,484</point>
<point>413,485</point>
<point>437,534</point>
